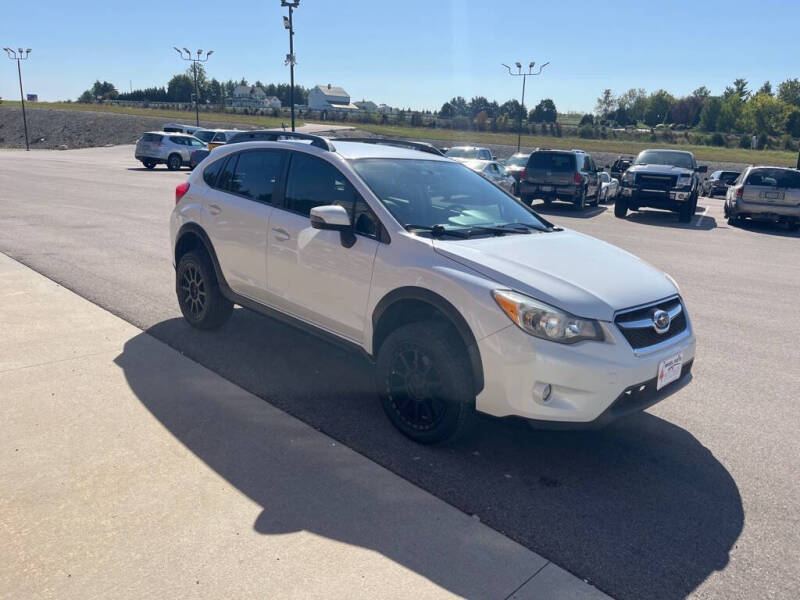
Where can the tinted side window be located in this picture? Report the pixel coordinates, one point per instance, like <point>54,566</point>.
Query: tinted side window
<point>151,137</point>
<point>256,174</point>
<point>211,171</point>
<point>315,182</point>
<point>226,176</point>
<point>178,140</point>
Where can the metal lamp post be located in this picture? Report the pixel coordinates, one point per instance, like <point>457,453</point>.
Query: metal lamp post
<point>290,59</point>
<point>19,55</point>
<point>524,76</point>
<point>186,54</point>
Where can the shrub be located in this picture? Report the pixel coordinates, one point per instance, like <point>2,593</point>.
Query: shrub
<point>586,131</point>
<point>559,133</point>
<point>461,122</point>
<point>744,141</point>
<point>717,139</point>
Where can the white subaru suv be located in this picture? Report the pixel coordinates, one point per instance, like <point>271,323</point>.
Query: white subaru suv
<point>464,299</point>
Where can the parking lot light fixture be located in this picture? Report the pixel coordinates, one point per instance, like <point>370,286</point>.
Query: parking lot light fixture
<point>524,76</point>
<point>19,55</point>
<point>290,58</point>
<point>188,56</point>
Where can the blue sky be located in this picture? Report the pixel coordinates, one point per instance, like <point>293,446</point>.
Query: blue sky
<point>415,53</point>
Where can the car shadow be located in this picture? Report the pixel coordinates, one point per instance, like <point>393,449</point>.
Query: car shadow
<point>566,209</point>
<point>766,228</point>
<point>640,509</point>
<point>158,169</point>
<point>662,218</point>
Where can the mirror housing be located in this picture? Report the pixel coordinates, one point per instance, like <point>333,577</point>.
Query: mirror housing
<point>333,217</point>
<point>702,169</point>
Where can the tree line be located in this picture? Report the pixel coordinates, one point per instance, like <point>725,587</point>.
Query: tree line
<point>180,88</point>
<point>738,109</point>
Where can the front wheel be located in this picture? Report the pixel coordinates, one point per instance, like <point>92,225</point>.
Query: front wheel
<point>174,162</point>
<point>686,211</point>
<point>424,380</point>
<point>199,296</point>
<point>621,208</point>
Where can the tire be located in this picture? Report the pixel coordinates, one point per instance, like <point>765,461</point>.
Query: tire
<point>527,200</point>
<point>174,162</point>
<point>199,296</point>
<point>150,164</point>
<point>580,202</point>
<point>710,194</point>
<point>425,384</point>
<point>621,208</point>
<point>734,221</point>
<point>686,211</point>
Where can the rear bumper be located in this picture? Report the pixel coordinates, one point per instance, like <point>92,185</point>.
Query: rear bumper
<point>765,211</point>
<point>155,159</point>
<point>550,191</point>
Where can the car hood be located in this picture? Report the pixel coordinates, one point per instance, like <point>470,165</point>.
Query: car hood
<point>661,169</point>
<point>577,273</point>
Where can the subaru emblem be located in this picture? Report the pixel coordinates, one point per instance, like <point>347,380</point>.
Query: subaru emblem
<point>661,321</point>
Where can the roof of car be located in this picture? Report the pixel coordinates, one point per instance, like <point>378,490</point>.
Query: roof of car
<point>171,133</point>
<point>354,150</point>
<point>666,150</point>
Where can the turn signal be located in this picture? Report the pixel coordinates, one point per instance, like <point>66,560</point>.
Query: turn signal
<point>577,179</point>
<point>740,191</point>
<point>180,191</point>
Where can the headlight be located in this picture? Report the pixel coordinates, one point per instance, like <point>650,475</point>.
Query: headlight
<point>627,177</point>
<point>685,181</point>
<point>545,321</point>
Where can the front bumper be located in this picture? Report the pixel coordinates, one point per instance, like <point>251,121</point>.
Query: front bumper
<point>642,196</point>
<point>589,380</point>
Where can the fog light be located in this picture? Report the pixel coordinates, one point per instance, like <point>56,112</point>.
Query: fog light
<point>541,392</point>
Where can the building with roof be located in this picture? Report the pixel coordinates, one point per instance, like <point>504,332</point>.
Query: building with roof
<point>253,96</point>
<point>367,105</point>
<point>330,98</point>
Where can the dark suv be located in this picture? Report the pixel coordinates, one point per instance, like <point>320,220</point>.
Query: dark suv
<point>568,175</point>
<point>719,182</point>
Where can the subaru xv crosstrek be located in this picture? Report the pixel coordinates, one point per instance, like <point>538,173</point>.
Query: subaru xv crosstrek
<point>463,298</point>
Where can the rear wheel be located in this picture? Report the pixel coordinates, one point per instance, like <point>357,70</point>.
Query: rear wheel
<point>580,201</point>
<point>621,208</point>
<point>425,382</point>
<point>150,164</point>
<point>199,296</point>
<point>174,162</point>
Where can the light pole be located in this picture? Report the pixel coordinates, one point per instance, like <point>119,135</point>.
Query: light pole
<point>19,55</point>
<point>290,59</point>
<point>524,76</point>
<point>187,55</point>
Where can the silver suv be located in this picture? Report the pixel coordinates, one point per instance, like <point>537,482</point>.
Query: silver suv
<point>765,194</point>
<point>171,149</point>
<point>463,298</point>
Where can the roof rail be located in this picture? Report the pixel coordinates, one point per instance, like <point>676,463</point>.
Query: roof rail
<point>410,144</point>
<point>275,135</point>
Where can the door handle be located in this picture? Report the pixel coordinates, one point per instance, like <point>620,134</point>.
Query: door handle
<point>281,234</point>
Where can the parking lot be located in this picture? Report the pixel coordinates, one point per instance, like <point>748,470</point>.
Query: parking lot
<point>696,497</point>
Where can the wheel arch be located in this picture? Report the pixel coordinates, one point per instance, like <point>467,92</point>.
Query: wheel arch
<point>409,304</point>
<point>192,236</point>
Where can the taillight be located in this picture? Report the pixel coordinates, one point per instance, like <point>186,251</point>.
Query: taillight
<point>577,178</point>
<point>524,174</point>
<point>180,191</point>
<point>740,191</point>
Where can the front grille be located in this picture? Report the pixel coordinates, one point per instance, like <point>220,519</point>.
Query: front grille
<point>656,182</point>
<point>636,325</point>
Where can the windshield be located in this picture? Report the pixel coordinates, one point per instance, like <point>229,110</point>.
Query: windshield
<point>682,160</point>
<point>206,136</point>
<point>429,193</point>
<point>462,153</point>
<point>517,161</point>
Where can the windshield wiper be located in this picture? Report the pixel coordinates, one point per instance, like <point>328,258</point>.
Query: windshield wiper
<point>437,230</point>
<point>515,227</point>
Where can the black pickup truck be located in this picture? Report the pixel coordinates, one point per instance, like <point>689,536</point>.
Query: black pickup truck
<point>666,179</point>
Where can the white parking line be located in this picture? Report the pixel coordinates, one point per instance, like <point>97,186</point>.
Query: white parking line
<point>700,217</point>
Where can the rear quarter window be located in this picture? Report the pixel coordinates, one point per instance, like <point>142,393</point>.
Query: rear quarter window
<point>151,137</point>
<point>211,172</point>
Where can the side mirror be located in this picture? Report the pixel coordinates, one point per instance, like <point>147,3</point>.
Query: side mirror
<point>608,166</point>
<point>702,169</point>
<point>333,218</point>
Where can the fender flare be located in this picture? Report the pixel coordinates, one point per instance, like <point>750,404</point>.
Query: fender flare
<point>448,310</point>
<point>195,229</point>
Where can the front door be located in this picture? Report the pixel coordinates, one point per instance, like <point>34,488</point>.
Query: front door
<point>312,274</point>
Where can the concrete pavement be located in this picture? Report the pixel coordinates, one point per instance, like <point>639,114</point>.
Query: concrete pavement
<point>129,471</point>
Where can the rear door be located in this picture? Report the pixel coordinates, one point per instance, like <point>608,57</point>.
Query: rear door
<point>238,206</point>
<point>312,275</point>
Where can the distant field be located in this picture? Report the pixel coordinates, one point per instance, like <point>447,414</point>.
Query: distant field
<point>710,153</point>
<point>178,115</point>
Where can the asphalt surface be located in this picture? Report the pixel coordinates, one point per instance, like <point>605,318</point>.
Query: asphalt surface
<point>696,497</point>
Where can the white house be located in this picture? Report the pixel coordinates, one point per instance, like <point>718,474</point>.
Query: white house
<point>367,105</point>
<point>330,98</point>
<point>253,96</point>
